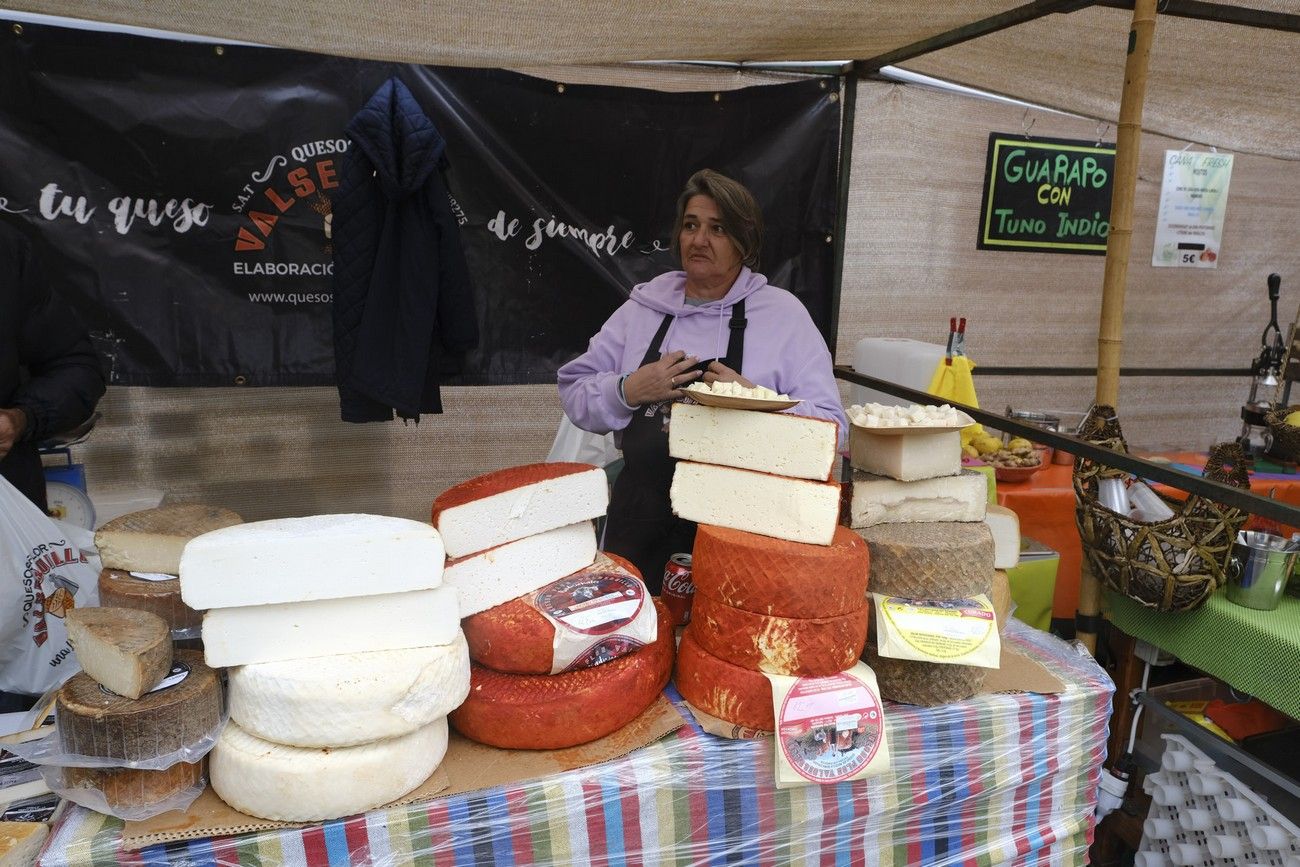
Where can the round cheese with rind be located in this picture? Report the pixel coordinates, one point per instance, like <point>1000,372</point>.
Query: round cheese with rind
<point>130,789</point>
<point>118,589</point>
<point>799,647</point>
<point>923,683</point>
<point>784,579</point>
<point>548,712</point>
<point>354,698</point>
<point>516,638</point>
<point>715,686</point>
<point>945,560</point>
<point>303,784</point>
<point>92,721</point>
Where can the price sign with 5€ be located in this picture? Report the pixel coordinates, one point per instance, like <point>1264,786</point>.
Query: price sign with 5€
<point>1193,200</point>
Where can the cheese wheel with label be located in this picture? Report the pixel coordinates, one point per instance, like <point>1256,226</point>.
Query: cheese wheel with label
<point>783,579</point>
<point>516,638</point>
<point>780,645</point>
<point>548,712</point>
<point>301,784</point>
<point>92,721</point>
<point>339,701</point>
<point>118,589</point>
<point>950,560</point>
<point>728,692</point>
<point>923,683</point>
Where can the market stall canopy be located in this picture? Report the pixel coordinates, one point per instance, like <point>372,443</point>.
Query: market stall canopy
<point>1221,74</point>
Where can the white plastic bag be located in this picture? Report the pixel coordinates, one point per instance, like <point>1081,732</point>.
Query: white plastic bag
<point>572,443</point>
<point>46,569</point>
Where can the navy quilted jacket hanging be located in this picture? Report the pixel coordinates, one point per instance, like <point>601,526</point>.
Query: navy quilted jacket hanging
<point>403,302</point>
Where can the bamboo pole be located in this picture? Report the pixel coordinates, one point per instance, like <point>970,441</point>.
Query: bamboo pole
<point>1110,335</point>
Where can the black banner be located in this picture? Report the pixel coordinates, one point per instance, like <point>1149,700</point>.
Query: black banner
<point>1046,195</point>
<point>178,194</point>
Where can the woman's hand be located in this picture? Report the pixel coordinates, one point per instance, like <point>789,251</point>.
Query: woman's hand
<point>719,372</point>
<point>660,380</point>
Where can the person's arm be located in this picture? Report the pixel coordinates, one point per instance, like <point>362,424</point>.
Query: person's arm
<point>818,393</point>
<point>589,384</point>
<point>65,377</point>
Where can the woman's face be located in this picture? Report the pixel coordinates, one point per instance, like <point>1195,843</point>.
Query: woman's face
<point>708,253</point>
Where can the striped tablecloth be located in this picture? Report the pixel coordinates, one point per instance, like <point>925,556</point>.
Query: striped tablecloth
<point>998,779</point>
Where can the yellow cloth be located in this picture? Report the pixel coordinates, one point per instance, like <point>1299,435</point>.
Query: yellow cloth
<point>954,383</point>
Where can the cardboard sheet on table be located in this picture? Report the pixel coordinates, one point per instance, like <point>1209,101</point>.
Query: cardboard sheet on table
<point>1016,673</point>
<point>467,767</point>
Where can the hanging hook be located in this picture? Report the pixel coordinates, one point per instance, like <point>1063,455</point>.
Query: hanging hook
<point>1101,132</point>
<point>1027,122</point>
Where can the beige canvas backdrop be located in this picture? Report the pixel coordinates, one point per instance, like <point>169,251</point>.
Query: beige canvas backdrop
<point>911,263</point>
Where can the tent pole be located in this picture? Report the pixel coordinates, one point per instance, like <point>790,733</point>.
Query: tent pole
<point>1110,336</point>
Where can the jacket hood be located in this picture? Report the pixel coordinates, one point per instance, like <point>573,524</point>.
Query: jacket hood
<point>399,139</point>
<point>667,293</point>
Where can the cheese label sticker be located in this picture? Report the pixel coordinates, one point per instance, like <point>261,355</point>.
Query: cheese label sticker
<point>828,729</point>
<point>152,576</point>
<point>946,631</point>
<point>179,672</point>
<point>599,614</point>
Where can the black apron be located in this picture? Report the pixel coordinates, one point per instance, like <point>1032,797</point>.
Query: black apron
<point>641,525</point>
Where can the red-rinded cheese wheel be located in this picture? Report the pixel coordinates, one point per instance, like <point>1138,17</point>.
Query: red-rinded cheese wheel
<point>500,481</point>
<point>514,637</point>
<point>117,589</point>
<point>800,647</point>
<point>550,712</point>
<point>784,579</point>
<point>728,692</point>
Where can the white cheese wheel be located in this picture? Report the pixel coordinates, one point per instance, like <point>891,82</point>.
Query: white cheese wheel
<point>354,698</point>
<point>300,784</point>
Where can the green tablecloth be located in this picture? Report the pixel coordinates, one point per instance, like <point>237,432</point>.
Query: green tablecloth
<point>1254,651</point>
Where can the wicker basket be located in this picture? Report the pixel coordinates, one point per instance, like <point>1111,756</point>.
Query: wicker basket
<point>1171,565</point>
<point>1286,439</point>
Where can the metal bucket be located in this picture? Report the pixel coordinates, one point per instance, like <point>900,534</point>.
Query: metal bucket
<point>1258,569</point>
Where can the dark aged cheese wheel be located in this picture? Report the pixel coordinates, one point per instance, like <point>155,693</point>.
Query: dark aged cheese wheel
<point>515,637</point>
<point>785,579</point>
<point>923,683</point>
<point>780,645</point>
<point>728,692</point>
<point>125,788</point>
<point>944,560</point>
<point>95,722</point>
<point>117,589</point>
<point>548,712</point>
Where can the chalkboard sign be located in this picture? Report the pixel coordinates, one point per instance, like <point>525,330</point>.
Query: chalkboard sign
<point>1046,195</point>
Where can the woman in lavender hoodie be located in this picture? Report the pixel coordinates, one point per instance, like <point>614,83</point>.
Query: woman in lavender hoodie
<point>716,308</point>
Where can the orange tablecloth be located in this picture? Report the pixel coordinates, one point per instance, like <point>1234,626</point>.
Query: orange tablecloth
<point>1045,505</point>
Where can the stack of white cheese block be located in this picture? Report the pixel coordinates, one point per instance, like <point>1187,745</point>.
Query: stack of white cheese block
<point>567,644</point>
<point>923,519</point>
<point>780,587</point>
<point>345,657</point>
<point>134,725</point>
<point>765,473</point>
<point>141,558</point>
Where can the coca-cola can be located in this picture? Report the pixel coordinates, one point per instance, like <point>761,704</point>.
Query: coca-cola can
<point>678,591</point>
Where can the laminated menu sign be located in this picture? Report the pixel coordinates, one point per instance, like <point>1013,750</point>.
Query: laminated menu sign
<point>828,729</point>
<point>948,631</point>
<point>599,614</point>
<point>1193,202</point>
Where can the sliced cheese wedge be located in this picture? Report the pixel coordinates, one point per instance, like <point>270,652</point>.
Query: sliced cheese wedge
<point>302,559</point>
<point>489,578</point>
<point>327,627</point>
<point>124,649</point>
<point>152,540</point>
<point>1005,525</point>
<point>907,457</point>
<point>877,500</point>
<point>797,510</point>
<point>517,502</point>
<point>769,442</point>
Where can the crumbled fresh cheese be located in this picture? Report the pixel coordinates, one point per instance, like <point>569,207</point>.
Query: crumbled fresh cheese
<point>735,389</point>
<point>880,415</point>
